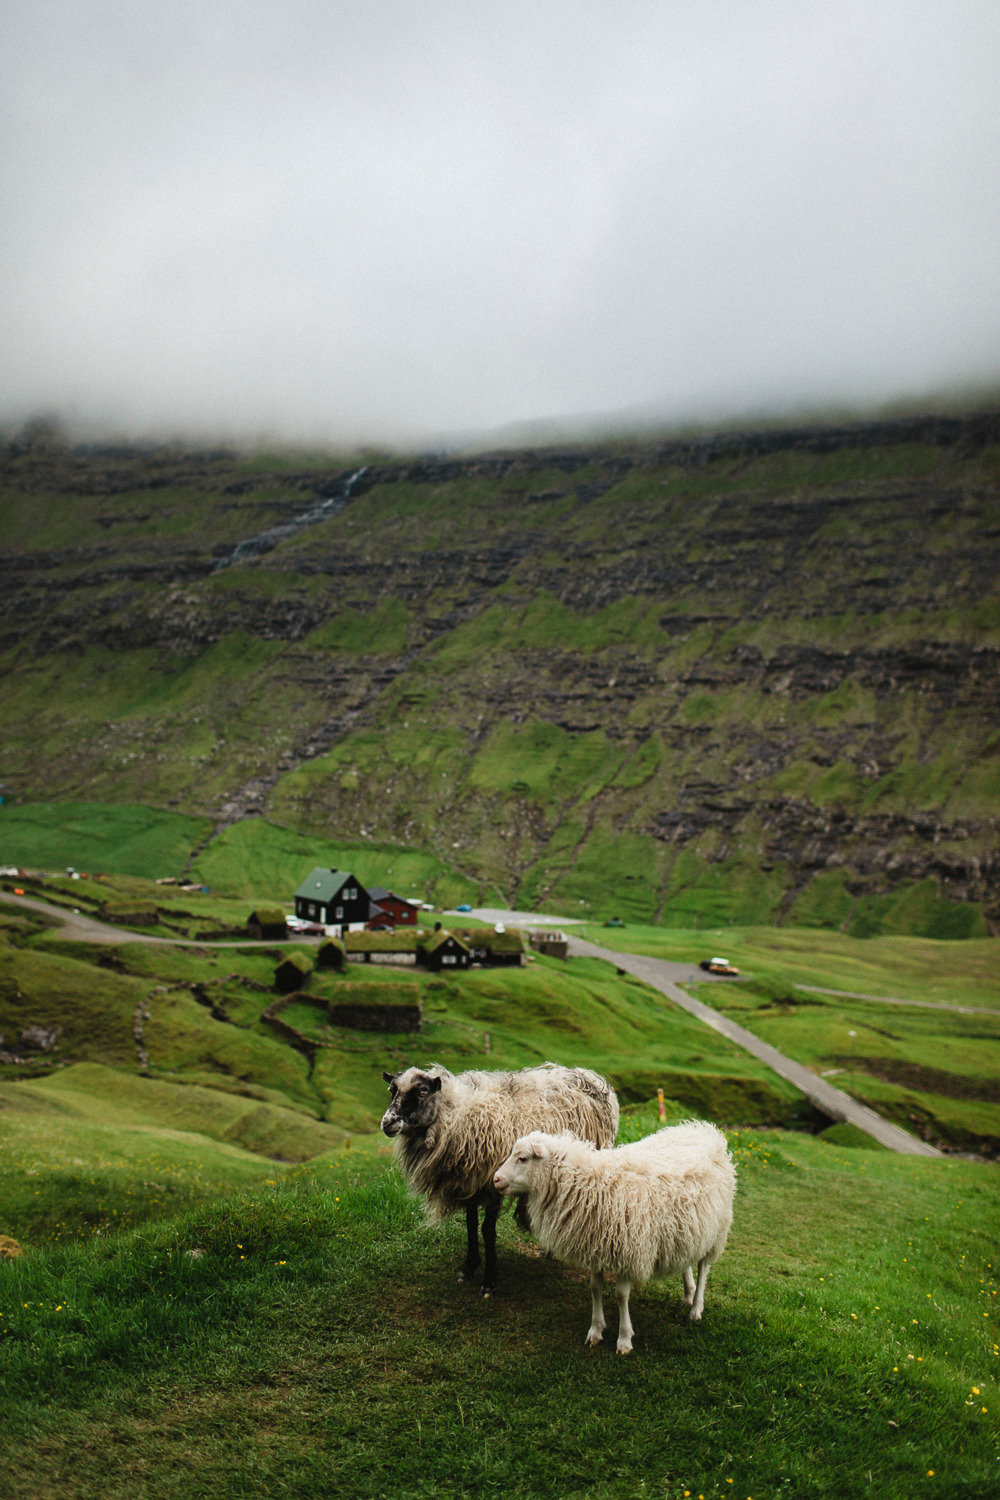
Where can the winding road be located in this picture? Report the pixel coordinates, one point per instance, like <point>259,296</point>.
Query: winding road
<point>660,974</point>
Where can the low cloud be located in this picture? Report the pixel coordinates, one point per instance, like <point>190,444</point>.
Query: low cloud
<point>401,223</point>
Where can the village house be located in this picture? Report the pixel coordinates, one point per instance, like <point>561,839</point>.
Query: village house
<point>391,910</point>
<point>554,944</point>
<point>387,946</point>
<point>335,898</point>
<point>442,950</point>
<point>494,948</point>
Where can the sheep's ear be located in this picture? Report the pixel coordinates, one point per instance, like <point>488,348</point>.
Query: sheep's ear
<point>540,1149</point>
<point>390,1078</point>
<point>434,1085</point>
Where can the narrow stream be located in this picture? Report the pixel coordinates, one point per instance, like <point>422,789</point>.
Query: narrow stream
<point>322,510</point>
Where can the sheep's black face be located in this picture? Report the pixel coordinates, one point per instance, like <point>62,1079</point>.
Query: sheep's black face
<point>414,1104</point>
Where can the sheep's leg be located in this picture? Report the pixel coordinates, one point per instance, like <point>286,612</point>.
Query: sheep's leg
<point>490,1210</point>
<point>698,1306</point>
<point>597,1323</point>
<point>689,1287</point>
<point>625,1330</point>
<point>471,1241</point>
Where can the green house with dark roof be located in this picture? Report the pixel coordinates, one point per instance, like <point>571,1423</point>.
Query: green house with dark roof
<point>334,897</point>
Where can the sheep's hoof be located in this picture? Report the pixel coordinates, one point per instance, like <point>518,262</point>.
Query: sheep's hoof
<point>592,1340</point>
<point>694,1315</point>
<point>487,1291</point>
<point>624,1349</point>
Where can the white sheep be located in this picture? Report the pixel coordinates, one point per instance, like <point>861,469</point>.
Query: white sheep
<point>452,1131</point>
<point>653,1208</point>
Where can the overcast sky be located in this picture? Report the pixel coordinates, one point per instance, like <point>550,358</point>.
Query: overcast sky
<point>399,220</point>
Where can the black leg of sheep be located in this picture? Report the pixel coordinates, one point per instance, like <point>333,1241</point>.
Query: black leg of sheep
<point>491,1207</point>
<point>490,1210</point>
<point>471,1241</point>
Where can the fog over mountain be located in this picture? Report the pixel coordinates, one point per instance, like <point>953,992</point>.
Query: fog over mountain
<point>405,222</point>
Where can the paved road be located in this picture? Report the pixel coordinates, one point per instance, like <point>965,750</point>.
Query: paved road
<point>516,918</point>
<point>77,928</point>
<point>666,977</point>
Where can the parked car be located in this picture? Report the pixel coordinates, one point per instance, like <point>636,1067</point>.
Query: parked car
<point>463,906</point>
<point>718,966</point>
<point>303,928</point>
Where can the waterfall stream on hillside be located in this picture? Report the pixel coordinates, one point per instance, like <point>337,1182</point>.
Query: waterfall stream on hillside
<point>325,507</point>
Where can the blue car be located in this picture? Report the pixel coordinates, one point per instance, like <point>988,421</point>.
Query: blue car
<point>464,907</point>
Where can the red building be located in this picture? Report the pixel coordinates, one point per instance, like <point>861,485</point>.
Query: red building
<point>391,910</point>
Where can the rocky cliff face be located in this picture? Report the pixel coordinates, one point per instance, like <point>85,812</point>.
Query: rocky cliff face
<point>752,675</point>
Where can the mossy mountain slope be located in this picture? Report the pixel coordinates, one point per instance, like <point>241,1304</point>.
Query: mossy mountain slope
<point>751,677</point>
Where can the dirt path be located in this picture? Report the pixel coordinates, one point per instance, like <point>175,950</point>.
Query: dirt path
<point>664,976</point>
<point>962,1010</point>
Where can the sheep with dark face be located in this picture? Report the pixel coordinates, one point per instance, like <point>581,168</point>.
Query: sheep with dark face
<point>452,1131</point>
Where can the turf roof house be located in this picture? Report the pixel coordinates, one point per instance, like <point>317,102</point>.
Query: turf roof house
<point>442,950</point>
<point>334,897</point>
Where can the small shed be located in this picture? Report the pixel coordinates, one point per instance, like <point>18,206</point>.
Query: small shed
<point>331,954</point>
<point>443,950</point>
<point>129,914</point>
<point>292,974</point>
<point>373,1007</point>
<point>267,923</point>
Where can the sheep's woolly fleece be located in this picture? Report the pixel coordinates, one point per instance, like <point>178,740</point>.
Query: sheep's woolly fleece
<point>654,1207</point>
<point>480,1115</point>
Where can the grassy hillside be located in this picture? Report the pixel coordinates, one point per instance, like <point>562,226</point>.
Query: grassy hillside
<point>225,1290</point>
<point>125,838</point>
<point>745,678</point>
<point>310,1338</point>
<point>199,1023</point>
<point>198,1012</point>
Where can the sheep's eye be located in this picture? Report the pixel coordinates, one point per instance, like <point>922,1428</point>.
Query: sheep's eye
<point>522,1158</point>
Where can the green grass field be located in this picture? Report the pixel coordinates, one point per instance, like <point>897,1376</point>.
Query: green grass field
<point>127,839</point>
<point>309,1338</point>
<point>224,1289</point>
<point>252,861</point>
<point>954,973</point>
